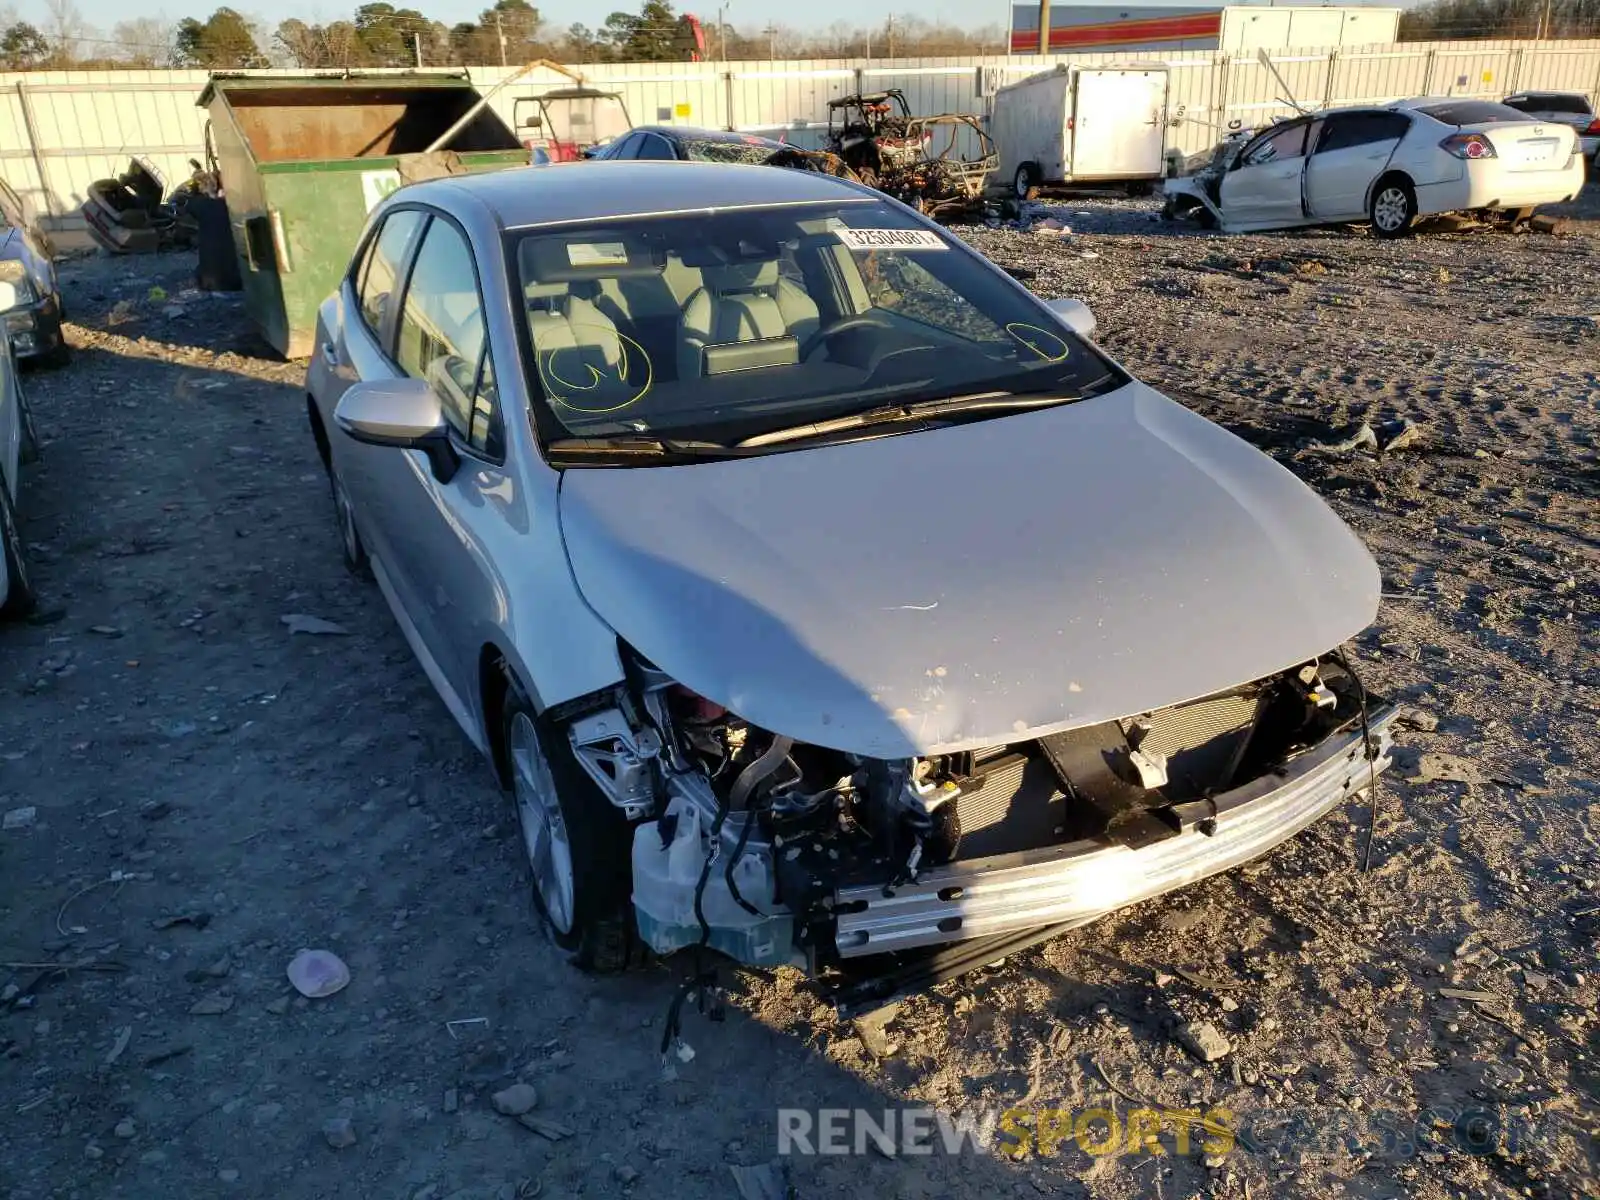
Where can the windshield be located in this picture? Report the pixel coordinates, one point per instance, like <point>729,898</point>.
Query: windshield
<point>731,150</point>
<point>722,328</point>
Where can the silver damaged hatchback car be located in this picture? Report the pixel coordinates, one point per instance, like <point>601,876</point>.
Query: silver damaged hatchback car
<point>820,594</point>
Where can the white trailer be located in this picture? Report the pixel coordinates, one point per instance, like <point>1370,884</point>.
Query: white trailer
<point>1081,125</point>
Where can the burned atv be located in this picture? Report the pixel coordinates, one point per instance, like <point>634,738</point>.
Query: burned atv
<point>945,180</point>
<point>938,165</point>
<point>871,133</point>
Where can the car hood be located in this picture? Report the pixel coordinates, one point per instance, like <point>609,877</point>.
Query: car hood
<point>973,585</point>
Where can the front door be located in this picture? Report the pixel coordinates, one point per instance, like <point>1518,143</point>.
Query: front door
<point>1264,186</point>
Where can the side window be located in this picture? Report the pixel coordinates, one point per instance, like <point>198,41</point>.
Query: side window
<point>1522,103</point>
<point>1362,129</point>
<point>654,146</point>
<point>1288,142</point>
<point>443,339</point>
<point>626,148</point>
<point>375,279</point>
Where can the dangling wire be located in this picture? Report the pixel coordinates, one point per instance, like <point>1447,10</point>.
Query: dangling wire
<point>1371,753</point>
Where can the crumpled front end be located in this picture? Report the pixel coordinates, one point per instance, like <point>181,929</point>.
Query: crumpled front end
<point>771,850</point>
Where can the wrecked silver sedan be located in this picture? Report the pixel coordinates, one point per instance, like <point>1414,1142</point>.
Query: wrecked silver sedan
<point>820,595</point>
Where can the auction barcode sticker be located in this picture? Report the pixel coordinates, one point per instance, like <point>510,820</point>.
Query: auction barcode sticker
<point>891,239</point>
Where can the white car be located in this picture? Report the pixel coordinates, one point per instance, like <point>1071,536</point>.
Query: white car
<point>1568,108</point>
<point>17,445</point>
<point>1387,165</point>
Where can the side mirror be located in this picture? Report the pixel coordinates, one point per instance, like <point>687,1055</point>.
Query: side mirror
<point>9,298</point>
<point>401,413</point>
<point>1074,314</point>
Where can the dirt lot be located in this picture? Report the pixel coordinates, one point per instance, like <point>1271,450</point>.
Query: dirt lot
<point>187,756</point>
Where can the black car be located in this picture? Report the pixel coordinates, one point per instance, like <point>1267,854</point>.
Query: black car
<point>684,143</point>
<point>27,262</point>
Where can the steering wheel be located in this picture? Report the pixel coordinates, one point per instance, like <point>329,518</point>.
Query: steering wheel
<point>842,325</point>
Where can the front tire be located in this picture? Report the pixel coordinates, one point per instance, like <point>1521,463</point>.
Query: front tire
<point>1393,208</point>
<point>20,598</point>
<point>350,545</point>
<point>577,843</point>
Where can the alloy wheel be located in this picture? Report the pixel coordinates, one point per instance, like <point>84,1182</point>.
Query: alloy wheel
<point>1389,210</point>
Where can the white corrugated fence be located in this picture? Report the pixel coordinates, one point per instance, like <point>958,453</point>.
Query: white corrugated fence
<point>60,130</point>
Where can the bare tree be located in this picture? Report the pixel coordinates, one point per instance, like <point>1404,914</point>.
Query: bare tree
<point>66,28</point>
<point>144,41</point>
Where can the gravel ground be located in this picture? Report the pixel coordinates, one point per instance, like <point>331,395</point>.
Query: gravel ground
<point>188,757</point>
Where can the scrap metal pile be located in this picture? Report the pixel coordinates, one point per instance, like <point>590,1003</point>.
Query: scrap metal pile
<point>132,214</point>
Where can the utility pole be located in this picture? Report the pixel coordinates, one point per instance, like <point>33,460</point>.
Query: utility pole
<point>1044,26</point>
<point>722,33</point>
<point>772,42</point>
<point>416,44</point>
<point>891,35</point>
<point>500,33</point>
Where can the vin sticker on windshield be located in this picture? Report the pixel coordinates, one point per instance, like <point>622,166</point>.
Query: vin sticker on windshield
<point>891,239</point>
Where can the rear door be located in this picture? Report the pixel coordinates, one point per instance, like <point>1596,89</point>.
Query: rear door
<point>1119,125</point>
<point>1351,152</point>
<point>1264,185</point>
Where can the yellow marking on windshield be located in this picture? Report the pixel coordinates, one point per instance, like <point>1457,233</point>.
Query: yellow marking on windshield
<point>1049,346</point>
<point>556,386</point>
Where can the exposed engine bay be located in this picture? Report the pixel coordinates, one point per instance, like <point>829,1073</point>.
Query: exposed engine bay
<point>744,840</point>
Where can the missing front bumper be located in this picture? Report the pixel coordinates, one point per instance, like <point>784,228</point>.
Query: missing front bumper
<point>1074,884</point>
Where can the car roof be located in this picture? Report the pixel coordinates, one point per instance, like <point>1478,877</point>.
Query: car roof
<point>605,189</point>
<point>1546,94</point>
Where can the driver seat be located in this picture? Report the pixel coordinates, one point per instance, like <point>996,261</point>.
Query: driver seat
<point>741,302</point>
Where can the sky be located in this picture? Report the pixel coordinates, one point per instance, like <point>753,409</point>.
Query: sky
<point>744,14</point>
<point>747,15</point>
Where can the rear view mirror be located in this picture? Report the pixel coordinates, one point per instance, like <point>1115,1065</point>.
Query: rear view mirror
<point>1075,315</point>
<point>8,295</point>
<point>404,414</point>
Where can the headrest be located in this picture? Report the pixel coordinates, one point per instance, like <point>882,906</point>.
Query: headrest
<point>742,277</point>
<point>564,260</point>
<point>545,291</point>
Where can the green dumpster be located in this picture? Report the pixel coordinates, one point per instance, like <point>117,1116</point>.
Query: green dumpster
<point>303,160</point>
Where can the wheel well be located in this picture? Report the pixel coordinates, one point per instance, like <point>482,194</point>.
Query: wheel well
<point>1401,176</point>
<point>318,433</point>
<point>494,683</point>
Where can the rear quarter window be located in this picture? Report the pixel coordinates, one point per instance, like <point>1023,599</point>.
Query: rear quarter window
<point>1471,112</point>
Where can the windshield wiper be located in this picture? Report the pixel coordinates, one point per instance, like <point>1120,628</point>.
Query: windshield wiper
<point>894,414</point>
<point>638,445</point>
